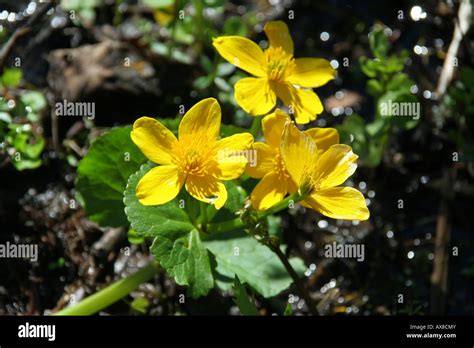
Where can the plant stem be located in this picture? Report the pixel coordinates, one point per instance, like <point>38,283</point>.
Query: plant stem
<point>296,279</point>
<point>230,225</point>
<point>236,223</point>
<point>200,24</point>
<point>256,125</point>
<point>111,294</point>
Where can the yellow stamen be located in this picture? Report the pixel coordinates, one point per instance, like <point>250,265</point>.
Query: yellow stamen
<point>279,63</point>
<point>280,168</point>
<point>193,155</point>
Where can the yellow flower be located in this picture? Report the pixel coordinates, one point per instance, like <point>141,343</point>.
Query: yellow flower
<point>164,16</point>
<point>321,173</point>
<point>276,73</point>
<point>197,159</point>
<point>276,182</point>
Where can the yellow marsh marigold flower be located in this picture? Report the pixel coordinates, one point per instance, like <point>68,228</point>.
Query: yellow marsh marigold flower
<point>276,182</point>
<point>276,73</point>
<point>321,173</point>
<point>197,159</point>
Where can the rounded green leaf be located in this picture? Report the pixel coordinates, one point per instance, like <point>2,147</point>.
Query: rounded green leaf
<point>103,173</point>
<point>238,254</point>
<point>177,243</point>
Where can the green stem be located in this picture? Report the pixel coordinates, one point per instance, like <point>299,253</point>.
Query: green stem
<point>111,294</point>
<point>296,279</point>
<point>256,125</point>
<point>284,204</point>
<point>230,225</point>
<point>200,25</point>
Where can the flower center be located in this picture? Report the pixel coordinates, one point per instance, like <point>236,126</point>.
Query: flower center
<point>280,168</point>
<point>279,63</point>
<point>193,163</point>
<point>194,156</point>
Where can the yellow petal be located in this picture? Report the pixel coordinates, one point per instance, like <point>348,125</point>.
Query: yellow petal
<point>334,166</point>
<point>304,104</point>
<point>154,140</point>
<point>202,121</point>
<point>298,151</point>
<point>160,185</point>
<point>255,95</point>
<point>208,189</point>
<point>344,203</point>
<point>324,137</point>
<point>279,35</point>
<point>233,153</point>
<point>269,191</point>
<point>311,72</point>
<point>242,52</point>
<point>264,164</point>
<point>272,127</point>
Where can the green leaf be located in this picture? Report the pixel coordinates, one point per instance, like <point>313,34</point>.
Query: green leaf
<point>400,83</point>
<point>176,54</point>
<point>225,69</point>
<point>235,26</point>
<point>35,100</point>
<point>186,259</point>
<point>177,244</point>
<point>354,125</point>
<point>185,30</point>
<point>379,43</point>
<point>236,196</point>
<point>401,107</point>
<point>288,310</point>
<point>239,254</point>
<point>202,82</point>
<point>206,63</point>
<point>377,126</point>
<point>394,65</point>
<point>376,148</point>
<point>134,238</point>
<point>23,164</point>
<point>374,88</point>
<point>140,304</point>
<point>222,84</point>
<point>367,66</point>
<point>20,142</point>
<point>242,300</point>
<point>12,77</point>
<point>33,151</point>
<point>5,117</point>
<point>103,173</point>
